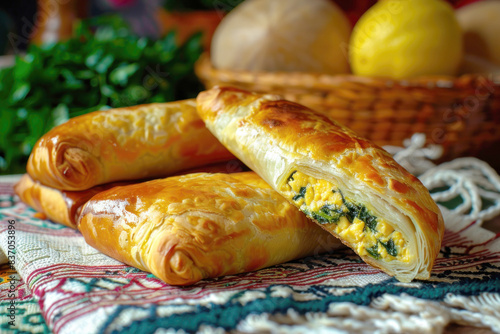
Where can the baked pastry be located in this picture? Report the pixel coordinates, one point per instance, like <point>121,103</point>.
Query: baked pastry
<point>51,203</point>
<point>187,228</point>
<point>346,184</point>
<point>124,144</point>
<point>62,207</point>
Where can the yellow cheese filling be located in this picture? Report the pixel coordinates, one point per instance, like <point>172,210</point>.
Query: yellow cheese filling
<point>353,222</point>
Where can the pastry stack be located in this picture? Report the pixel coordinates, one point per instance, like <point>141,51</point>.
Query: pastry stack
<point>313,186</point>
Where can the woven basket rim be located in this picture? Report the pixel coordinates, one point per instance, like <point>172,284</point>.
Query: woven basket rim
<point>206,71</point>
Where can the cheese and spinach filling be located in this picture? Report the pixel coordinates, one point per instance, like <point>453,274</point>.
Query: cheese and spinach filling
<point>353,222</point>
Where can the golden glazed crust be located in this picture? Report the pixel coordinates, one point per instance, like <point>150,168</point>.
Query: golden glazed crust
<point>124,144</point>
<point>45,200</point>
<point>62,207</point>
<point>186,228</point>
<point>275,137</point>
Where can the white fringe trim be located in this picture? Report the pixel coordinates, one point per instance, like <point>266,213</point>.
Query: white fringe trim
<point>469,178</point>
<point>483,309</point>
<point>415,157</point>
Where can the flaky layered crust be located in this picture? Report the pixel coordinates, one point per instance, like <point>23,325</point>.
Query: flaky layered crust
<point>186,228</point>
<point>124,144</point>
<point>62,207</point>
<point>49,202</point>
<point>275,137</point>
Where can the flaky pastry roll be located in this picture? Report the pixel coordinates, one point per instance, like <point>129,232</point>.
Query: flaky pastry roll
<point>348,185</point>
<point>63,206</point>
<point>187,228</point>
<point>60,206</point>
<point>132,143</point>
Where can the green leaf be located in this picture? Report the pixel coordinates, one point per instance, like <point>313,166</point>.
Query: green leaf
<point>166,47</point>
<point>22,69</point>
<point>121,74</point>
<point>22,113</point>
<point>328,214</point>
<point>301,194</point>
<point>60,114</point>
<point>84,74</point>
<point>158,98</point>
<point>141,43</point>
<point>136,94</point>
<point>93,59</point>
<point>390,247</point>
<point>371,223</point>
<point>20,92</point>
<point>105,34</point>
<point>36,97</point>
<point>373,251</point>
<point>36,124</point>
<point>27,145</point>
<point>104,64</point>
<point>107,91</point>
<point>369,219</point>
<point>70,81</point>
<point>193,47</point>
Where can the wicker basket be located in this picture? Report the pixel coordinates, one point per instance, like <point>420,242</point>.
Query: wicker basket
<point>461,114</point>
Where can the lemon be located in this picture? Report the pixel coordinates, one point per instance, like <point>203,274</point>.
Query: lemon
<point>406,38</point>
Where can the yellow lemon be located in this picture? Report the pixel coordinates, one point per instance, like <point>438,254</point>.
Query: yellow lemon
<point>406,38</point>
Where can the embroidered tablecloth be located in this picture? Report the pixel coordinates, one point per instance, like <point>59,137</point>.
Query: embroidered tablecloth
<point>65,286</point>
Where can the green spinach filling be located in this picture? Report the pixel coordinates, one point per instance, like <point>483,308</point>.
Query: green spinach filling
<point>389,246</point>
<point>301,194</point>
<point>373,251</point>
<point>331,213</point>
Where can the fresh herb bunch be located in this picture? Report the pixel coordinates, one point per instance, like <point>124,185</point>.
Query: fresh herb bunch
<point>104,65</point>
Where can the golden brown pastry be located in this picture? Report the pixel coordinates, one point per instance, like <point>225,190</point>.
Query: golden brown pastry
<point>124,144</point>
<point>186,228</point>
<point>348,185</point>
<point>62,207</point>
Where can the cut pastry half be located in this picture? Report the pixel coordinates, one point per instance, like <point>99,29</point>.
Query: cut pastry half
<point>349,186</point>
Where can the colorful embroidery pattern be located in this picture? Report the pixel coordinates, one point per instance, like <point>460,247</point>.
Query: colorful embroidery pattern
<point>28,316</point>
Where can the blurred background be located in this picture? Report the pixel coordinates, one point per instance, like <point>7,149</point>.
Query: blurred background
<point>64,58</point>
